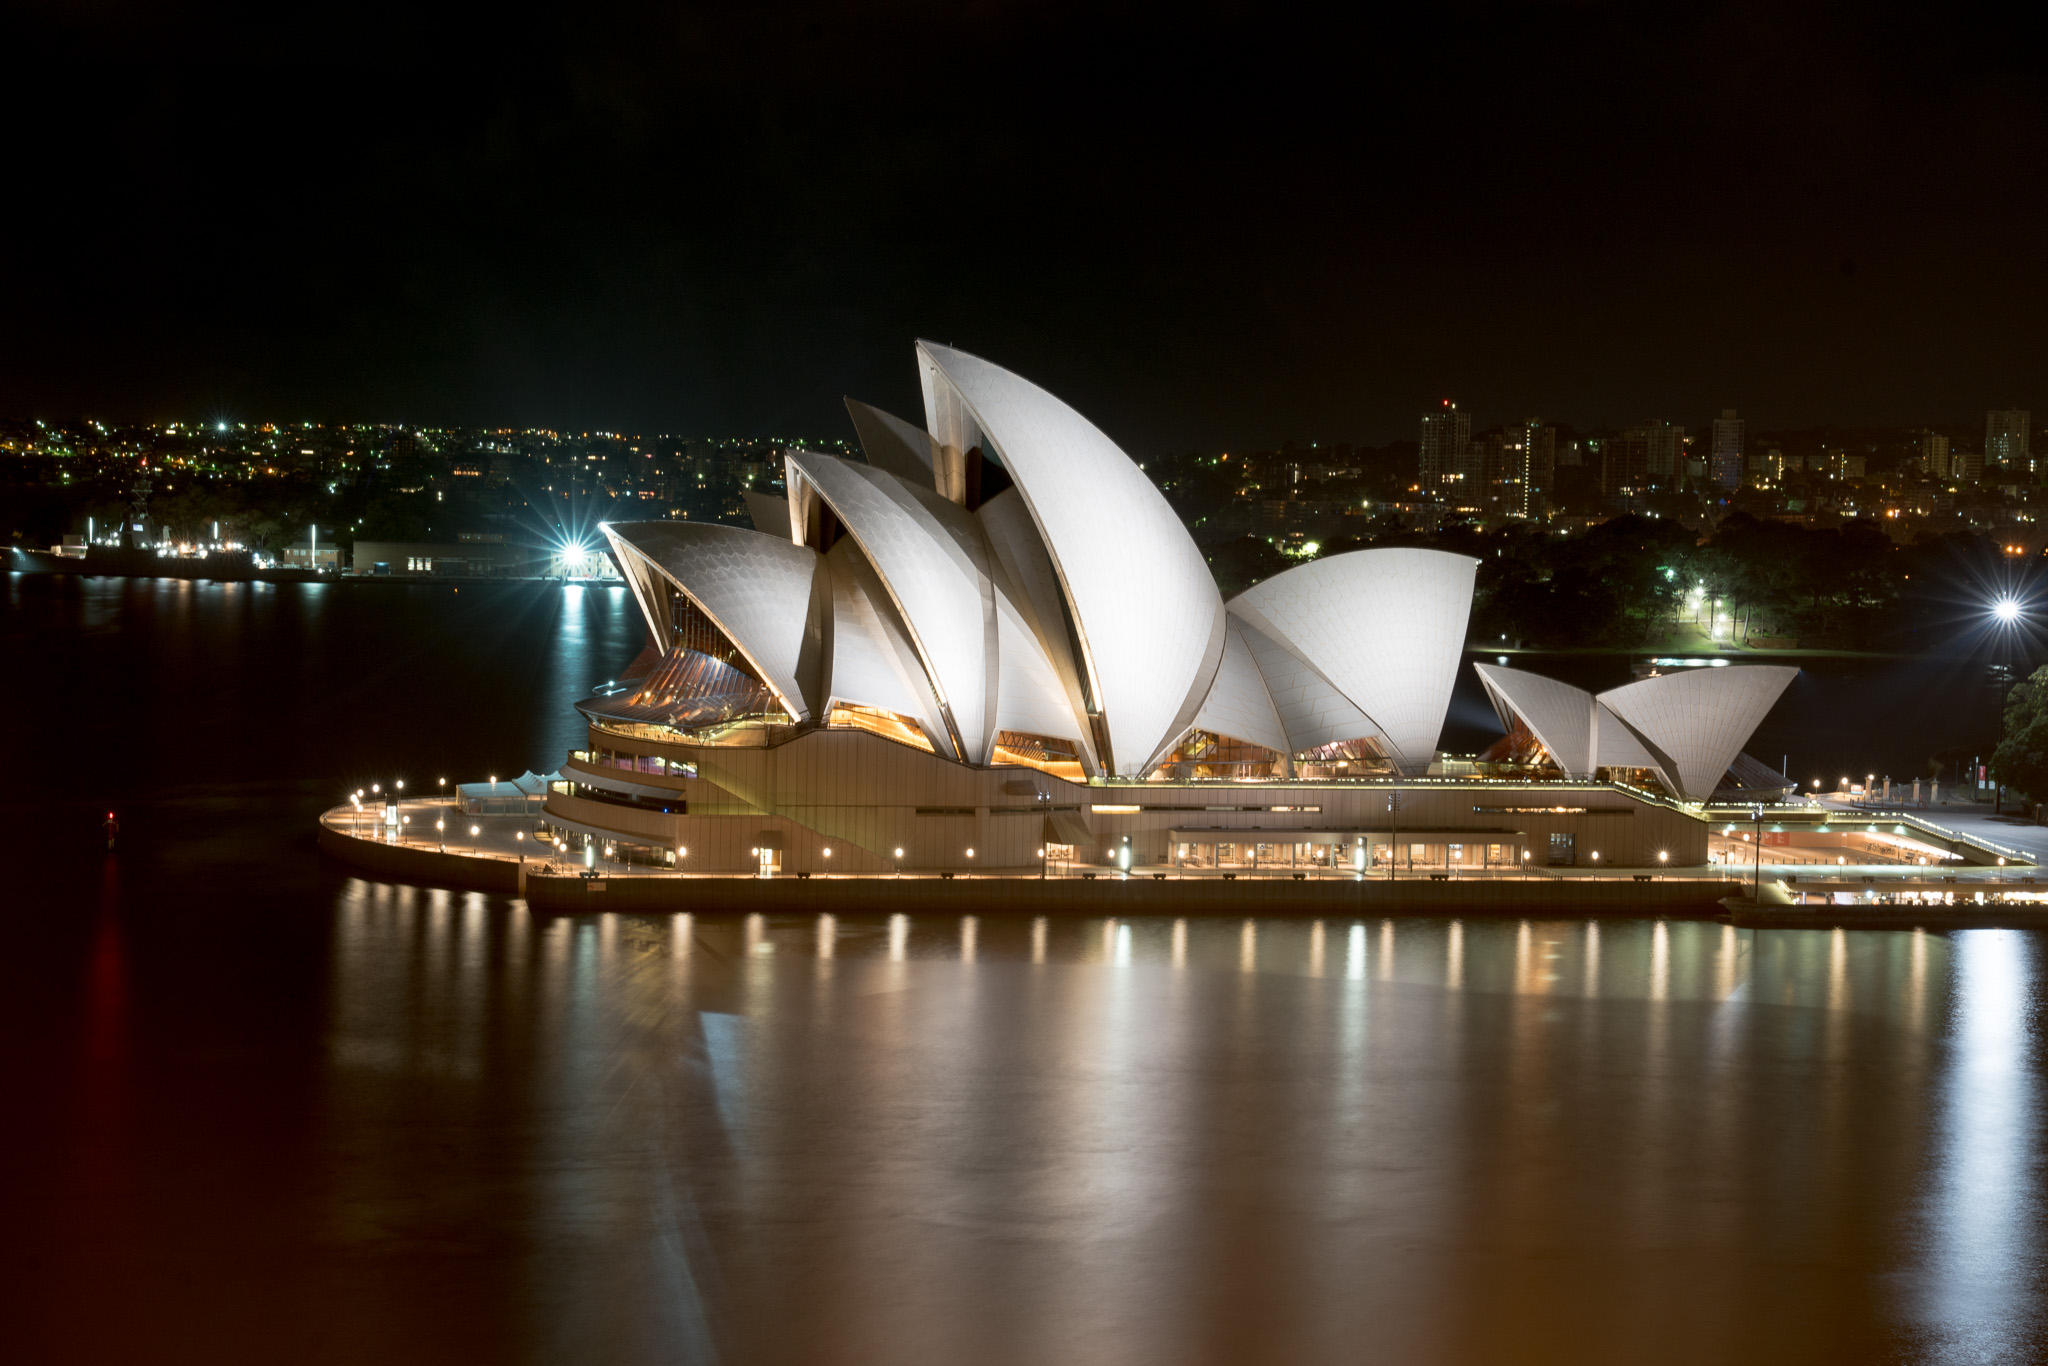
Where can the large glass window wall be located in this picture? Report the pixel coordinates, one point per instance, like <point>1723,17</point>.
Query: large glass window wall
<point>635,763</point>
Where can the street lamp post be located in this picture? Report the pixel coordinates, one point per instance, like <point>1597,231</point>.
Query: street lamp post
<point>1756,881</point>
<point>1394,839</point>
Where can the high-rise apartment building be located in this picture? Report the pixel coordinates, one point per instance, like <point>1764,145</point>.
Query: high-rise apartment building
<point>1507,475</point>
<point>1625,463</point>
<point>1663,453</point>
<point>1934,454</point>
<point>1539,444</point>
<point>2005,439</point>
<point>1490,457</point>
<point>1446,448</point>
<point>1724,459</point>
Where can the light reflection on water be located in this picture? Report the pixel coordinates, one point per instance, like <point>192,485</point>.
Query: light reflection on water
<point>394,1124</point>
<point>1258,1140</point>
<point>1981,1281</point>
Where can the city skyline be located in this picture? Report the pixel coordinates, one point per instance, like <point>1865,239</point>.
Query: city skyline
<point>1219,231</point>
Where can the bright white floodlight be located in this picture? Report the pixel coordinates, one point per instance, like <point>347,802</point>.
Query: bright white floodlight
<point>2006,610</point>
<point>574,554</point>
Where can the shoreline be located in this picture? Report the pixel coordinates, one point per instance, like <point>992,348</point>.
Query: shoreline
<point>568,892</point>
<point>39,563</point>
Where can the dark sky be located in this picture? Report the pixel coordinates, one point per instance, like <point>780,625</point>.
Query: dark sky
<point>1204,226</point>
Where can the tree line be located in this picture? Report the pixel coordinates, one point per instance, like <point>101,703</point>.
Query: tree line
<point>1628,581</point>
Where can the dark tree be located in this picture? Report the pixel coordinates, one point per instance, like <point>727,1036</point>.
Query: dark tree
<point>2021,758</point>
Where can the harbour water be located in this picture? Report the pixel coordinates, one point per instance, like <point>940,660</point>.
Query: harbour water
<point>261,1110</point>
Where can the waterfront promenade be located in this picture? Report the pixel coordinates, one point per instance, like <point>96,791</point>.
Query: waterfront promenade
<point>501,853</point>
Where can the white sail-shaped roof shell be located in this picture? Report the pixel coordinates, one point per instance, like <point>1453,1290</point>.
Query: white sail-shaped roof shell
<point>1145,608</point>
<point>935,574</point>
<point>1619,746</point>
<point>1698,721</point>
<point>1560,716</point>
<point>1030,588</point>
<point>1029,697</point>
<point>755,588</point>
<point>1687,727</point>
<point>1238,704</point>
<point>892,444</point>
<point>1310,710</point>
<point>873,664</point>
<point>1386,628</point>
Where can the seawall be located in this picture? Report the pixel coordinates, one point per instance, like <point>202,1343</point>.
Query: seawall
<point>1115,896</point>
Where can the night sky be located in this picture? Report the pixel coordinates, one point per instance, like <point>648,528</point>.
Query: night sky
<point>1202,226</point>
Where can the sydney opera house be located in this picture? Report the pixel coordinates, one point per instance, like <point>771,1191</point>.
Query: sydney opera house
<point>991,645</point>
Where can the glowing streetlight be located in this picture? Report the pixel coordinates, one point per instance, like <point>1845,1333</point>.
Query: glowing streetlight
<point>2006,610</point>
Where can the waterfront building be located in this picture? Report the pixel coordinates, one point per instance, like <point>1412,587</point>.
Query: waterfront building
<point>991,643</point>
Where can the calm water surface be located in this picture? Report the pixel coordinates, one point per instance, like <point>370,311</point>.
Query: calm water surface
<point>259,1110</point>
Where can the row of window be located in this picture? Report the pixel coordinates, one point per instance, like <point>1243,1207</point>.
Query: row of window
<point>638,763</point>
<point>667,806</point>
<point>1229,854</point>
